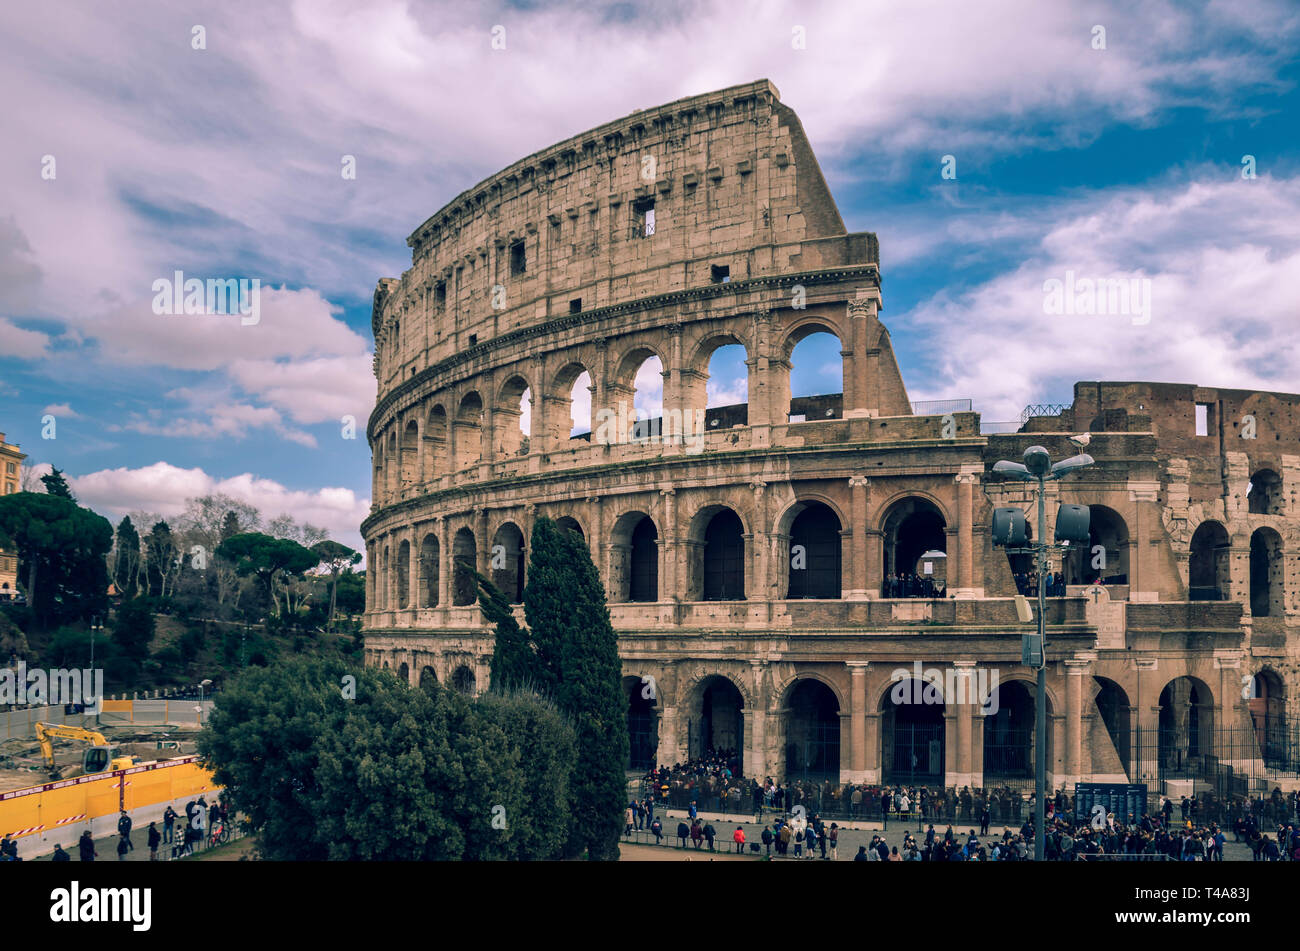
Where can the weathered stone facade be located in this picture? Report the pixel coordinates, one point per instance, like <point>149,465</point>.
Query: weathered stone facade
<point>707,222</point>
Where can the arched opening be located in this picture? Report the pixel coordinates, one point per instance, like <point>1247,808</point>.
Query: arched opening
<point>462,680</point>
<point>1105,560</point>
<point>386,597</point>
<point>435,443</point>
<point>634,558</point>
<point>1208,563</point>
<point>812,732</point>
<point>1264,497</point>
<point>569,408</point>
<point>912,733</point>
<point>404,574</point>
<point>1185,728</point>
<point>638,385</point>
<point>410,456</point>
<point>1267,706</point>
<point>1266,581</point>
<point>570,524</point>
<point>392,467</point>
<point>814,552</point>
<point>430,565</point>
<point>469,431</point>
<point>815,379</point>
<point>404,674</point>
<point>1009,736</point>
<point>1117,716</point>
<point>912,527</point>
<point>717,556</point>
<point>642,723</point>
<point>717,725</point>
<point>512,418</point>
<point>726,378</point>
<point>464,554</point>
<point>428,679</point>
<point>508,562</point>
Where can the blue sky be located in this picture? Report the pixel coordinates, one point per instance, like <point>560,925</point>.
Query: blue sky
<point>1122,162</point>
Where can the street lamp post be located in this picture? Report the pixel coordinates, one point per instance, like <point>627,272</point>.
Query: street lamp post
<point>1038,467</point>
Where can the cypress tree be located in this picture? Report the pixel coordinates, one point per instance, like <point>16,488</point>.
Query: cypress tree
<point>514,663</point>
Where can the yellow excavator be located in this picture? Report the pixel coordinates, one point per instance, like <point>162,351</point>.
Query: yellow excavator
<point>99,758</point>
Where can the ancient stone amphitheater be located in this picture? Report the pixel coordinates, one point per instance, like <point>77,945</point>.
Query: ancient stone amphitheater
<point>747,557</point>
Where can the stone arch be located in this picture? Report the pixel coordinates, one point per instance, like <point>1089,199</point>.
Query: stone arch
<point>1208,577</point>
<point>714,714</point>
<point>403,569</point>
<point>911,524</point>
<point>430,569</point>
<point>559,406</point>
<point>717,555</point>
<point>392,465</point>
<point>507,413</point>
<point>1185,726</point>
<point>467,432</point>
<point>463,681</point>
<point>428,678</point>
<point>809,552</point>
<point>1265,494</point>
<point>810,711</point>
<point>786,686</point>
<point>386,596</point>
<point>1116,714</point>
<point>410,453</point>
<point>404,673</point>
<point>435,442</point>
<point>1010,733</point>
<point>1267,579</point>
<point>805,405</point>
<point>634,558</point>
<point>642,723</point>
<point>1107,554</point>
<point>1267,707</point>
<point>621,388</point>
<point>571,523</point>
<point>507,561</point>
<point>464,554</point>
<point>913,734</point>
<point>695,375</point>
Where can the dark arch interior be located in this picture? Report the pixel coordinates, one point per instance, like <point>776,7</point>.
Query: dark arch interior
<point>1117,716</point>
<point>642,725</point>
<point>463,680</point>
<point>643,579</point>
<point>815,553</point>
<point>724,558</point>
<point>1208,563</point>
<point>718,731</point>
<point>812,738</point>
<point>913,527</point>
<point>912,736</point>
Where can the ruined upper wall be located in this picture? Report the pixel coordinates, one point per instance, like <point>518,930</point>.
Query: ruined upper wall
<point>733,183</point>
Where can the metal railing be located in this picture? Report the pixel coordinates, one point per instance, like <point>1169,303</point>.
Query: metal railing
<point>1043,409</point>
<point>938,407</point>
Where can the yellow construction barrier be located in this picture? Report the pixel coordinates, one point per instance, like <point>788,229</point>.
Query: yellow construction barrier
<point>46,808</point>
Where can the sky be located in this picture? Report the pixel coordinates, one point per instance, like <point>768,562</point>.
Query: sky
<point>995,148</point>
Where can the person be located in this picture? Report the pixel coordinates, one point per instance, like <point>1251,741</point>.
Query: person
<point>693,812</point>
<point>767,839</point>
<point>709,834</point>
<point>683,833</point>
<point>738,837</point>
<point>169,822</point>
<point>798,844</point>
<point>785,837</point>
<point>885,798</point>
<point>894,856</point>
<point>657,828</point>
<point>810,838</point>
<point>862,854</point>
<point>154,838</point>
<point>628,816</point>
<point>984,820</point>
<point>835,841</point>
<point>60,855</point>
<point>86,846</point>
<point>882,848</point>
<point>697,833</point>
<point>856,801</point>
<point>123,843</point>
<point>124,830</point>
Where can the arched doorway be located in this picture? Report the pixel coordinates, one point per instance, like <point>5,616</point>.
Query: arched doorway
<point>1117,716</point>
<point>642,724</point>
<point>718,563</point>
<point>1267,705</point>
<point>1266,579</point>
<point>404,674</point>
<point>428,678</point>
<point>912,734</point>
<point>1208,563</point>
<point>814,558</point>
<point>717,724</point>
<point>464,552</point>
<point>1010,737</point>
<point>1186,726</point>
<point>570,524</point>
<point>812,732</point>
<point>463,680</point>
<point>634,558</point>
<point>430,565</point>
<point>507,565</point>
<point>912,527</point>
<point>404,574</point>
<point>1106,555</point>
<point>1264,497</point>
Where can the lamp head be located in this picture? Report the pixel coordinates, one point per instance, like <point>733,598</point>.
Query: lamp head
<point>1037,461</point>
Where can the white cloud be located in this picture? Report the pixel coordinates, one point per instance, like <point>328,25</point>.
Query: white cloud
<point>62,409</point>
<point>1223,259</point>
<point>24,344</point>
<point>163,488</point>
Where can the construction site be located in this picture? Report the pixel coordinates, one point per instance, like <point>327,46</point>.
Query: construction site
<point>64,773</point>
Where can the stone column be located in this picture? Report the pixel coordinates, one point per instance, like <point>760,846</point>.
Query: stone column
<point>759,549</point>
<point>756,764</point>
<point>963,582</point>
<point>1076,670</point>
<point>875,545</point>
<point>963,708</point>
<point>856,540</point>
<point>413,574</point>
<point>1146,744</point>
<point>482,542</point>
<point>446,563</point>
<point>670,553</point>
<point>857,721</point>
<point>871,731</point>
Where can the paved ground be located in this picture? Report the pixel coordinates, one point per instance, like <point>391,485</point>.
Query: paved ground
<point>107,847</point>
<point>850,838</point>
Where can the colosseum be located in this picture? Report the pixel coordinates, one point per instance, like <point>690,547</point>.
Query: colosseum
<point>781,566</point>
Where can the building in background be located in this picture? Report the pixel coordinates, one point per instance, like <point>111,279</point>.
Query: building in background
<point>11,470</point>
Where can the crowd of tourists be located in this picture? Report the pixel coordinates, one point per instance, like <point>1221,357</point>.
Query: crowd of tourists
<point>912,586</point>
<point>1027,583</point>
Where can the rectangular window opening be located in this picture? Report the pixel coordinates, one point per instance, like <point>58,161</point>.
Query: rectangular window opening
<point>575,305</point>
<point>720,273</point>
<point>517,261</point>
<point>644,208</point>
<point>1202,419</point>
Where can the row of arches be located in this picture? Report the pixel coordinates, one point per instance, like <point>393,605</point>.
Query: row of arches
<point>717,554</point>
<point>461,430</point>
<point>1210,568</point>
